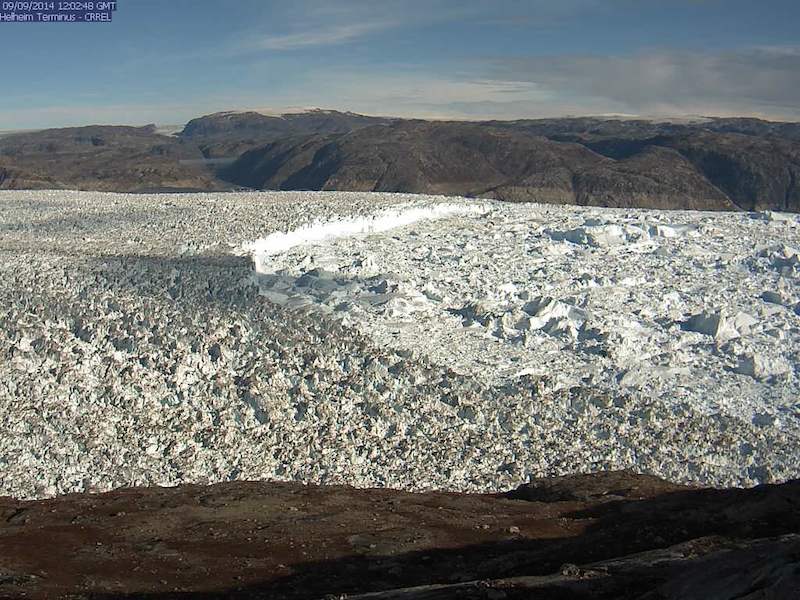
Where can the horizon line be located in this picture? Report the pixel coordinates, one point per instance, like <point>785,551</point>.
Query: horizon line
<point>302,110</point>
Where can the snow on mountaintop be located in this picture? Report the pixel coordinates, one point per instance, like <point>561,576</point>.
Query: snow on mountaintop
<point>438,343</point>
<point>280,112</point>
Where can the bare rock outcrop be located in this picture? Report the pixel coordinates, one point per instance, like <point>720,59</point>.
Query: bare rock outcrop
<point>607,535</point>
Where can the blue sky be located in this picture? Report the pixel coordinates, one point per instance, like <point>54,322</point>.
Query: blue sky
<point>166,61</point>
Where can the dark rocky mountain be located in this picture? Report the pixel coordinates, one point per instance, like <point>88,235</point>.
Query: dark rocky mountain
<point>103,158</point>
<point>229,134</point>
<point>477,160</point>
<point>593,128</point>
<point>584,161</point>
<point>584,129</point>
<point>755,173</point>
<point>713,164</point>
<point>757,127</point>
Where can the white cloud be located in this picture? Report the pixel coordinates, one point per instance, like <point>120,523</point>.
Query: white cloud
<point>762,82</point>
<point>755,81</point>
<point>337,34</point>
<point>322,22</point>
<point>314,23</point>
<point>401,90</point>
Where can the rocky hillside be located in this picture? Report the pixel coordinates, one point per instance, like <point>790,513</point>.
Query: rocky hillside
<point>229,134</point>
<point>588,128</point>
<point>611,535</point>
<point>712,164</point>
<point>478,160</point>
<point>572,161</point>
<point>756,173</point>
<point>103,158</point>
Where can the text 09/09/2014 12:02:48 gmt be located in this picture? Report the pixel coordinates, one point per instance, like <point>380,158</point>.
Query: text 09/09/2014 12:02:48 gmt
<point>33,11</point>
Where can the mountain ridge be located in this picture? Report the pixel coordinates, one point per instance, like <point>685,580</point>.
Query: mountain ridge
<point>711,163</point>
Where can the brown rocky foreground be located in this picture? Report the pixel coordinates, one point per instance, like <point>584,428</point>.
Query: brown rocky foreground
<point>610,535</point>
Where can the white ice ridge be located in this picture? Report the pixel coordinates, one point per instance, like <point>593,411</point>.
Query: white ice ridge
<point>323,231</point>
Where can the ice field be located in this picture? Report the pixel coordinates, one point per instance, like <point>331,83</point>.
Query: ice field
<point>675,305</point>
<point>390,340</point>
